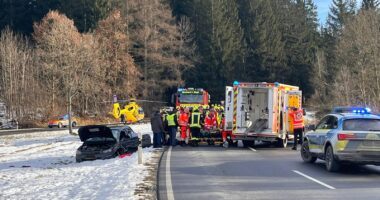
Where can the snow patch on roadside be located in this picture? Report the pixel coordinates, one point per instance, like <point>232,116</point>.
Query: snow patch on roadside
<point>42,166</point>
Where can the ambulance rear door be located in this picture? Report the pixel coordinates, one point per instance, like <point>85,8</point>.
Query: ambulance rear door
<point>293,99</point>
<point>228,108</point>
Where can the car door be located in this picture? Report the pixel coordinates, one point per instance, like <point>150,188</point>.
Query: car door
<point>330,123</point>
<point>314,136</point>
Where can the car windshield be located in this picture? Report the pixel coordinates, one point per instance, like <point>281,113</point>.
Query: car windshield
<point>361,125</point>
<point>191,98</point>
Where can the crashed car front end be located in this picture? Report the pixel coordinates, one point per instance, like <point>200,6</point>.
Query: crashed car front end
<point>91,151</point>
<point>98,143</point>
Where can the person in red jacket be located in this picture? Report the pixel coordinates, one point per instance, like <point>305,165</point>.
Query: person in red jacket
<point>296,116</point>
<point>224,132</point>
<point>183,122</point>
<point>210,121</point>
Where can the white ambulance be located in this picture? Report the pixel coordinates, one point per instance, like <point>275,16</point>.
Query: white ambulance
<point>260,112</point>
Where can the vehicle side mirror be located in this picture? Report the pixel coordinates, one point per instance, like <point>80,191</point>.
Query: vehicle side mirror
<point>312,127</point>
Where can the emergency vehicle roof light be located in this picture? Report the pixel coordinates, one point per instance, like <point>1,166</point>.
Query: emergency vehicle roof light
<point>361,110</point>
<point>236,83</point>
<point>276,84</point>
<point>368,110</point>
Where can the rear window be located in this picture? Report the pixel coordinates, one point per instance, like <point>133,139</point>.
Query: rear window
<point>361,125</point>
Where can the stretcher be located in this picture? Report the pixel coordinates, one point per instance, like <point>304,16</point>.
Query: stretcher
<point>209,137</point>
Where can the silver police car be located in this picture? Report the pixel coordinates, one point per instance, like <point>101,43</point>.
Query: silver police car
<point>351,137</point>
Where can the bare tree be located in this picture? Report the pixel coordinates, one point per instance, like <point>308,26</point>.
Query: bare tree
<point>358,54</point>
<point>60,47</point>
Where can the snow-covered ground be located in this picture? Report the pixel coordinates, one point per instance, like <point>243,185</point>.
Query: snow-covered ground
<point>42,166</point>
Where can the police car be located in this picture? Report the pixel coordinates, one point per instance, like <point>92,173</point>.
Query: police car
<point>351,137</point>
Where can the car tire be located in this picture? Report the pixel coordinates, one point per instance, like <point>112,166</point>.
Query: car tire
<point>73,124</point>
<point>305,153</point>
<point>50,126</point>
<point>60,125</point>
<point>332,164</point>
<point>78,160</point>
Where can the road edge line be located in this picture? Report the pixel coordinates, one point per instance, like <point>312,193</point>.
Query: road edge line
<point>315,180</point>
<point>252,149</point>
<point>169,187</point>
<point>158,175</point>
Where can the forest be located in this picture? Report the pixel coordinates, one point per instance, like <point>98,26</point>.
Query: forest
<point>85,51</point>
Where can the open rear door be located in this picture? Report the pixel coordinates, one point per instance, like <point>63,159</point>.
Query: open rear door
<point>292,99</point>
<point>228,109</point>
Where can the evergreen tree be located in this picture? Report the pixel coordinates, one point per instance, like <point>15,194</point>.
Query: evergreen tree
<point>340,12</point>
<point>227,39</point>
<point>87,13</point>
<point>20,15</point>
<point>370,4</point>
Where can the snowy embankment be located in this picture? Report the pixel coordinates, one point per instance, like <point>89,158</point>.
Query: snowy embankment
<point>42,166</point>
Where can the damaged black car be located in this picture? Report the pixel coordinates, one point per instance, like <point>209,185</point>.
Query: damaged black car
<point>102,142</point>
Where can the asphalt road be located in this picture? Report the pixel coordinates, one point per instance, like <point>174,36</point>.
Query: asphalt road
<point>261,173</point>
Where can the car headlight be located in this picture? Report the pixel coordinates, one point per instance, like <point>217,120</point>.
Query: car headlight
<point>79,152</point>
<point>107,150</point>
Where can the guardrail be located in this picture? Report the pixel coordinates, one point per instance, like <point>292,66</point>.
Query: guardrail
<point>34,130</point>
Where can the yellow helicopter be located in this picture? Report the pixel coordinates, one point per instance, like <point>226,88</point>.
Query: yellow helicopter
<point>131,113</point>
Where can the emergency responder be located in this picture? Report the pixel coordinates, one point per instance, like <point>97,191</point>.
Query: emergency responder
<point>224,132</point>
<point>296,117</point>
<point>195,124</point>
<point>172,124</point>
<point>214,114</point>
<point>157,128</point>
<point>210,121</point>
<point>166,134</point>
<point>183,122</point>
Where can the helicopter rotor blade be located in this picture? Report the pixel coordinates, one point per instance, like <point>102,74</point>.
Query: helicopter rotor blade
<point>138,100</point>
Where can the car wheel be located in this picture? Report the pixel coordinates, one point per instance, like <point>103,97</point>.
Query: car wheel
<point>332,164</point>
<point>60,125</point>
<point>78,160</point>
<point>73,124</point>
<point>50,126</point>
<point>305,153</point>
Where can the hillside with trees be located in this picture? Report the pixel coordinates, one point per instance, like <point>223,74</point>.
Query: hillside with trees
<point>54,51</point>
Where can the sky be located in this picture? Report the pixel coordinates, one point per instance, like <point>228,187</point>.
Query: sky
<point>324,7</point>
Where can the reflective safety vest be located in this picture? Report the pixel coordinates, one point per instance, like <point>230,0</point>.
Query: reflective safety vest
<point>195,120</point>
<point>297,119</point>
<point>170,119</point>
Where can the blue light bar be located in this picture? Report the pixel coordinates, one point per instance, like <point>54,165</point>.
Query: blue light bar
<point>361,110</point>
<point>236,83</point>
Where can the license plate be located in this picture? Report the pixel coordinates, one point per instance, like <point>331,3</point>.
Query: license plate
<point>371,143</point>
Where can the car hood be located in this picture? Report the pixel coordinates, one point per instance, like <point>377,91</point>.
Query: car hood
<point>86,132</point>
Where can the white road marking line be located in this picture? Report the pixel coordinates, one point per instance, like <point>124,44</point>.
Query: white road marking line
<point>252,149</point>
<point>313,179</point>
<point>169,187</point>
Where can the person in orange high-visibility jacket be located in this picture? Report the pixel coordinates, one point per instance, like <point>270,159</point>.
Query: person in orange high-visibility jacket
<point>296,117</point>
<point>210,121</point>
<point>183,122</point>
